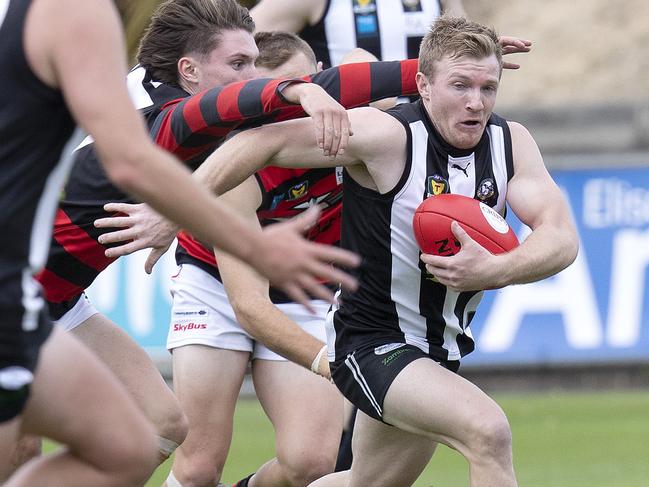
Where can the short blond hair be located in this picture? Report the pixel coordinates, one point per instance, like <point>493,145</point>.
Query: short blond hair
<point>457,37</point>
<point>277,47</point>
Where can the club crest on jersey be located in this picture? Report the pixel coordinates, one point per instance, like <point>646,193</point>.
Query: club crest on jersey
<point>411,5</point>
<point>486,189</point>
<point>435,185</point>
<point>297,191</point>
<point>364,6</point>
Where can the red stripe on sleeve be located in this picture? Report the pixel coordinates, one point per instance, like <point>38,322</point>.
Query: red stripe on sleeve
<point>192,113</point>
<point>355,84</point>
<point>227,105</point>
<point>57,289</point>
<point>409,70</point>
<point>165,137</point>
<point>78,243</point>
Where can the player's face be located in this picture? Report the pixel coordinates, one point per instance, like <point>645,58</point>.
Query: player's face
<point>232,60</point>
<point>460,97</point>
<point>296,66</point>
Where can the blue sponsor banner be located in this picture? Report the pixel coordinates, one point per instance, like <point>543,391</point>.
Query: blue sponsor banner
<point>596,310</point>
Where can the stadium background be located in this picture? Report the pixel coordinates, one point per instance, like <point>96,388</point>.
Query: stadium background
<point>583,93</point>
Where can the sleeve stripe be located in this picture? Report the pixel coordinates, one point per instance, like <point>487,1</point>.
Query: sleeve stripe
<point>355,84</point>
<point>250,97</point>
<point>192,113</point>
<point>409,69</point>
<point>227,103</point>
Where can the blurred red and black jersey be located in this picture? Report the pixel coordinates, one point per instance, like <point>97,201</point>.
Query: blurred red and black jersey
<point>285,193</point>
<point>190,127</point>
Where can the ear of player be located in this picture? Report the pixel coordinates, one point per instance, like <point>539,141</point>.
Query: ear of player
<point>432,225</point>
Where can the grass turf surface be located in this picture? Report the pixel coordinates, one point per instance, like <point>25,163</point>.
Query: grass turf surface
<point>598,439</point>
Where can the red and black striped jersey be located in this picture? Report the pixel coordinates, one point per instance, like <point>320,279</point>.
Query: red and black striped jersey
<point>191,127</point>
<point>285,194</point>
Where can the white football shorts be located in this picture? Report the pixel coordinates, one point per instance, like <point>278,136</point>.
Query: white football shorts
<point>80,312</point>
<point>201,315</point>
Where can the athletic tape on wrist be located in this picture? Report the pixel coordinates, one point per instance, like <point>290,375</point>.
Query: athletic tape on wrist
<point>166,447</point>
<point>316,360</point>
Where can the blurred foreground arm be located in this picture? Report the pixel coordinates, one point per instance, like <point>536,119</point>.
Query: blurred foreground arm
<point>150,174</point>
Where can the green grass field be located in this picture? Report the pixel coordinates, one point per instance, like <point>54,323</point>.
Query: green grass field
<point>598,439</point>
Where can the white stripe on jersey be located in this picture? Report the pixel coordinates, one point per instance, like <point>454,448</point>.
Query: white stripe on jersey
<point>139,96</point>
<point>452,328</point>
<point>339,30</point>
<point>395,27</point>
<point>330,329</point>
<point>404,289</point>
<point>461,175</point>
<point>405,284</point>
<point>497,144</point>
<point>353,366</point>
<point>39,242</point>
<point>4,6</point>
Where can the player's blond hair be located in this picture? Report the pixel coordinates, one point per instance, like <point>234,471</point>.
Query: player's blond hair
<point>182,27</point>
<point>457,37</point>
<point>277,47</point>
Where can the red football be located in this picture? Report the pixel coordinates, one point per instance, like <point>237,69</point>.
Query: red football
<point>432,225</point>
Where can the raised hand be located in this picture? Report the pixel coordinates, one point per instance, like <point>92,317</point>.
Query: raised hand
<point>331,123</point>
<point>139,227</point>
<point>511,45</point>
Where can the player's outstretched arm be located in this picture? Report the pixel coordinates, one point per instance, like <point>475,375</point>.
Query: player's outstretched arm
<point>150,174</point>
<point>248,292</point>
<point>287,144</point>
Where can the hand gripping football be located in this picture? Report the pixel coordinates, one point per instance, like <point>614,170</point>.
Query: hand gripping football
<point>432,225</point>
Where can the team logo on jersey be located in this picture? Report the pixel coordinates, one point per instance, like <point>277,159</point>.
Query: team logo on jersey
<point>364,7</point>
<point>486,189</point>
<point>435,185</point>
<point>297,191</point>
<point>412,5</point>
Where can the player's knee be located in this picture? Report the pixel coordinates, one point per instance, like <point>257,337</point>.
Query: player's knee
<point>303,470</point>
<point>171,431</point>
<point>200,470</point>
<point>492,437</point>
<point>133,461</point>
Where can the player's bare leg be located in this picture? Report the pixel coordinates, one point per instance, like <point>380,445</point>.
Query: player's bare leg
<point>76,401</point>
<point>9,433</point>
<point>207,382</point>
<point>429,400</point>
<point>376,445</point>
<point>133,367</point>
<point>26,448</point>
<point>306,412</point>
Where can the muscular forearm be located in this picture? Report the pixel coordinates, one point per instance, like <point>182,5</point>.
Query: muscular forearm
<point>548,250</point>
<point>227,167</point>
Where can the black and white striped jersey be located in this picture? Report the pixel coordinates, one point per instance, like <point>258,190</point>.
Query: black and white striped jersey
<point>397,300</point>
<point>390,29</point>
<point>35,125</point>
